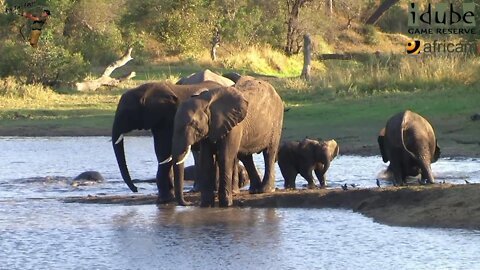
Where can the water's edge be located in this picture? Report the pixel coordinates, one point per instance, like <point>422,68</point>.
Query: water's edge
<point>433,206</point>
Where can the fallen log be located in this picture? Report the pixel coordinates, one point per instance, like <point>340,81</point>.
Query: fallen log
<point>105,79</point>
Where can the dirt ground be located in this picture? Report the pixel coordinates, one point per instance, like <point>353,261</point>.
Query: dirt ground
<point>439,205</point>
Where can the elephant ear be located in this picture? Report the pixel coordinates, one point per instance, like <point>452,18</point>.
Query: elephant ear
<point>227,108</point>
<point>381,144</point>
<point>159,102</point>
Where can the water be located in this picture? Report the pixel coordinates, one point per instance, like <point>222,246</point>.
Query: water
<point>37,231</point>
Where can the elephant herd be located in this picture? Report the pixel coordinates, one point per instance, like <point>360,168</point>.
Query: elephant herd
<point>226,119</point>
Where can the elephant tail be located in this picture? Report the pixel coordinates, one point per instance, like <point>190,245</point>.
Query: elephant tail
<point>402,139</point>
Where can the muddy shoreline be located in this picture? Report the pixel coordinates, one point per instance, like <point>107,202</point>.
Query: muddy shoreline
<point>435,206</point>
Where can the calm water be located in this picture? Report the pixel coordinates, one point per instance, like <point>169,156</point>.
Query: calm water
<point>37,231</point>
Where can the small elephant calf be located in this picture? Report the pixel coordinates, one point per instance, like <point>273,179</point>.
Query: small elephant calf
<point>305,156</point>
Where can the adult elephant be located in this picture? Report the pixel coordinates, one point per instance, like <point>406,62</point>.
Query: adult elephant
<point>408,141</point>
<point>152,106</point>
<point>305,156</point>
<point>205,75</point>
<point>229,123</point>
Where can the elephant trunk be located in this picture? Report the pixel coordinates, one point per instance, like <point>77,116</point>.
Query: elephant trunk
<point>118,147</point>
<point>179,158</point>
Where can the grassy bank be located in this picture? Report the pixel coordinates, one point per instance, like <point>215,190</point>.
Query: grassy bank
<point>346,100</point>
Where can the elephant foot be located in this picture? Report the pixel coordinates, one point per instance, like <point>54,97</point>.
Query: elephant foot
<point>207,201</point>
<point>311,186</point>
<point>225,202</point>
<point>163,199</point>
<point>266,190</point>
<point>236,191</point>
<point>207,204</point>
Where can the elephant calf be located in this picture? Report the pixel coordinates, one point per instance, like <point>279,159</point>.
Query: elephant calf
<point>305,156</point>
<point>409,143</point>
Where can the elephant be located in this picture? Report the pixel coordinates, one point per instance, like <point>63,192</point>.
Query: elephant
<point>205,75</point>
<point>230,124</point>
<point>89,176</point>
<point>408,141</point>
<point>152,106</point>
<point>243,179</point>
<point>305,156</point>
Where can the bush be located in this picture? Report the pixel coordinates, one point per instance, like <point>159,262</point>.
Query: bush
<point>10,87</point>
<point>48,65</point>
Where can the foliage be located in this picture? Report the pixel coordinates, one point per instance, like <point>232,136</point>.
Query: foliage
<point>52,65</point>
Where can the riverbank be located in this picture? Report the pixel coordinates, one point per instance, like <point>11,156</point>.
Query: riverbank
<point>434,206</point>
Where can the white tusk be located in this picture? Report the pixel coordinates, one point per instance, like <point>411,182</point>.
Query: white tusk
<point>186,156</point>
<point>120,138</point>
<point>166,161</point>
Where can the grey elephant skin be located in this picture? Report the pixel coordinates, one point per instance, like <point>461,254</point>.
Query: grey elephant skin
<point>241,181</point>
<point>152,106</point>
<point>304,157</point>
<point>205,75</point>
<point>229,123</point>
<point>408,141</point>
<point>89,176</point>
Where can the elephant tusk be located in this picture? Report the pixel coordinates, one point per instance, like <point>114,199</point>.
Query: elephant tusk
<point>185,157</point>
<point>166,161</point>
<point>120,138</point>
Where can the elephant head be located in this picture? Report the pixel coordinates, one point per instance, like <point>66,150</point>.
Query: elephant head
<point>314,151</point>
<point>152,106</point>
<point>207,116</point>
<point>149,106</point>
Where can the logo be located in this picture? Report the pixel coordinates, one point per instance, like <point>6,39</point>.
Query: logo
<point>442,19</point>
<point>442,47</point>
<point>413,47</point>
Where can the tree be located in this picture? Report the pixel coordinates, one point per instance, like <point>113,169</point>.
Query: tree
<point>380,11</point>
<point>293,31</point>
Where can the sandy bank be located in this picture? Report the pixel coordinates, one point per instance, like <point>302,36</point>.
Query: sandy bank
<point>441,205</point>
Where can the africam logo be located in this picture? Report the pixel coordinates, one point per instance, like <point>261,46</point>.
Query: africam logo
<point>415,47</point>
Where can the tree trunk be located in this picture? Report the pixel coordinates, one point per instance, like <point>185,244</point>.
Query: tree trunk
<point>380,10</point>
<point>105,79</point>
<point>307,57</point>
<point>215,44</point>
<point>330,7</point>
<point>293,9</point>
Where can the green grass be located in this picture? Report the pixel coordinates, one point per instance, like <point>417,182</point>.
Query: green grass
<point>349,101</point>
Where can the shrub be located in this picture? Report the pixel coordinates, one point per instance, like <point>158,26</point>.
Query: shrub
<point>48,65</point>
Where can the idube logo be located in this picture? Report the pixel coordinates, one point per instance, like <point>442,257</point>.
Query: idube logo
<point>413,47</point>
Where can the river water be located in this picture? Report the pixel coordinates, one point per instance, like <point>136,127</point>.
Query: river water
<point>39,231</point>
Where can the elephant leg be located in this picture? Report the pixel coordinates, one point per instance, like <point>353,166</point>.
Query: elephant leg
<point>207,176</point>
<point>307,174</point>
<point>235,181</point>
<point>252,173</point>
<point>226,157</point>
<point>196,176</point>
<point>396,166</point>
<point>268,184</point>
<point>289,174</point>
<point>164,172</point>
<point>320,173</point>
<point>426,171</point>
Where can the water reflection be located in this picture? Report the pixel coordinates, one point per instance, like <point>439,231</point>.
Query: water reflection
<point>53,235</point>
